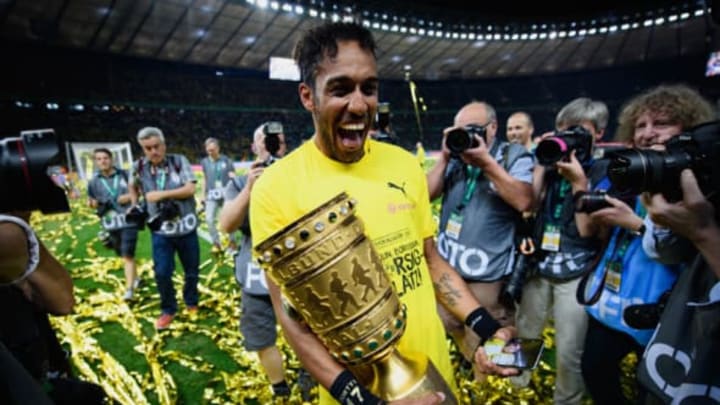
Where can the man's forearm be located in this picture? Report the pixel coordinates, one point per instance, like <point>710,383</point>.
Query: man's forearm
<point>51,285</point>
<point>234,212</point>
<point>435,178</point>
<point>186,191</point>
<point>516,193</point>
<point>450,289</point>
<point>308,348</point>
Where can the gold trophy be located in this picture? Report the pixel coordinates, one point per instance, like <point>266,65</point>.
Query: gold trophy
<point>332,279</point>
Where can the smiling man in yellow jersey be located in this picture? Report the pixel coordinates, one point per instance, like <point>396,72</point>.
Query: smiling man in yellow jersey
<point>340,89</point>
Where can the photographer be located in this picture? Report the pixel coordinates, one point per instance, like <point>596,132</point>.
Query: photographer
<point>680,364</point>
<point>167,184</point>
<point>626,287</point>
<point>34,284</point>
<point>483,189</point>
<point>257,319</point>
<point>563,254</point>
<point>217,171</point>
<point>108,194</point>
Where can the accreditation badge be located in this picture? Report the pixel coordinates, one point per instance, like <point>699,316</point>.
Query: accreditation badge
<point>614,276</point>
<point>551,238</point>
<point>454,225</point>
<point>218,184</point>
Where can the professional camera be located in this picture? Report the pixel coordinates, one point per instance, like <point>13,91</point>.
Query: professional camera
<point>106,239</point>
<point>590,201</point>
<point>24,163</point>
<point>136,216</point>
<point>272,131</point>
<point>167,211</point>
<point>559,146</point>
<point>659,172</point>
<point>103,208</point>
<point>459,140</point>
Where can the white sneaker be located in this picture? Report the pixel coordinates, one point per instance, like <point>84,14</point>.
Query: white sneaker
<point>128,295</point>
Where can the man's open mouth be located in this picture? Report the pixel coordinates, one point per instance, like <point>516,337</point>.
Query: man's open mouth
<point>351,135</point>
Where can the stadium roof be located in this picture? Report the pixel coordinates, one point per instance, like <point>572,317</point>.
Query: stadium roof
<point>429,39</point>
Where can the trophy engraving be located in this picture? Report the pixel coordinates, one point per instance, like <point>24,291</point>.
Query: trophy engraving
<point>330,274</point>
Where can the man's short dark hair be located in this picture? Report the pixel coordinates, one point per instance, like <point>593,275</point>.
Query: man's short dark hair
<point>103,150</point>
<point>321,41</point>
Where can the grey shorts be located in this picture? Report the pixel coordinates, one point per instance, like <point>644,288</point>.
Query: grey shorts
<point>257,322</point>
<point>124,241</point>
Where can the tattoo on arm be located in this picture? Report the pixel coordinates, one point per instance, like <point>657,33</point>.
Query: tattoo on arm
<point>446,291</point>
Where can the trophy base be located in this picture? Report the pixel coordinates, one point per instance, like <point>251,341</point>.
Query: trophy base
<point>397,376</point>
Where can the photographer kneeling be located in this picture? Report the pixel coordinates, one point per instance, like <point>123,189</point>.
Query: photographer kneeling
<point>108,194</point>
<point>168,185</point>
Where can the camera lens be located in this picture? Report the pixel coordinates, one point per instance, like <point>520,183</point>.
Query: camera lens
<point>590,202</point>
<point>24,165</point>
<point>458,140</point>
<point>551,150</point>
<point>636,170</point>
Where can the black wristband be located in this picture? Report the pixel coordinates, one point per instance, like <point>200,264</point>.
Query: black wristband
<point>482,323</point>
<point>348,391</point>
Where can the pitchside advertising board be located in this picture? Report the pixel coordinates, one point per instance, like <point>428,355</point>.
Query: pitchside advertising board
<point>82,156</point>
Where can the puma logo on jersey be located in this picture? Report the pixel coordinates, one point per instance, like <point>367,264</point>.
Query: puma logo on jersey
<point>395,186</point>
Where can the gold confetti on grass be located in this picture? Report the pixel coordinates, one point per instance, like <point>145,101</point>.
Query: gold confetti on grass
<point>207,349</point>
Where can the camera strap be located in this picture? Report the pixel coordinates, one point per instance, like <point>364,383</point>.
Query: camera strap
<point>472,174</point>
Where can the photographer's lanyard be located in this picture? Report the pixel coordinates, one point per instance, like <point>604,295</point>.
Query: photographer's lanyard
<point>112,191</point>
<point>160,182</point>
<point>551,230</point>
<point>454,224</point>
<point>218,174</point>
<point>615,253</point>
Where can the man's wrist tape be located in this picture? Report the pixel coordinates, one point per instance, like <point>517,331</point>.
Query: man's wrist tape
<point>348,391</point>
<point>33,245</point>
<point>482,323</point>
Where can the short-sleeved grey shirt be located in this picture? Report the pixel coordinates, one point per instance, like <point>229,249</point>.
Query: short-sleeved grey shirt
<point>174,172</point>
<point>482,251</point>
<point>217,173</point>
<point>247,272</point>
<point>106,190</point>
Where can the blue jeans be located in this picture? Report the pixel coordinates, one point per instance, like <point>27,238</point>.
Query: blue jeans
<point>163,251</point>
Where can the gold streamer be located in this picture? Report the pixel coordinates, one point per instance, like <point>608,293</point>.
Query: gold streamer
<point>99,284</point>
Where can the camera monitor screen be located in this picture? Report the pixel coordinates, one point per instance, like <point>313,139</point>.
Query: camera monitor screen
<point>713,64</point>
<point>283,69</point>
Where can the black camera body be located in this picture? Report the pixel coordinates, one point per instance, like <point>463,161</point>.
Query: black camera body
<point>659,171</point>
<point>559,146</point>
<point>272,131</point>
<point>106,239</point>
<point>24,164</point>
<point>269,161</point>
<point>136,216</point>
<point>103,208</point>
<point>590,201</point>
<point>459,140</point>
<point>167,211</point>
